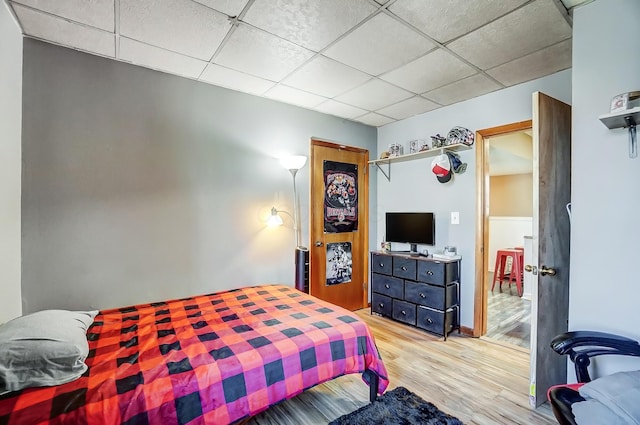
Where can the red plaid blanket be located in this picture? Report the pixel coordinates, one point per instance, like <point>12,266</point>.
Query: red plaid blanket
<point>210,359</point>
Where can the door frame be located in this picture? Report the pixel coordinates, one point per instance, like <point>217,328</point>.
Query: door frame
<point>363,201</point>
<point>482,220</point>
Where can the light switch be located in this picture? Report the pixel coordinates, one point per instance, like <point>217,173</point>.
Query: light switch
<point>455,217</point>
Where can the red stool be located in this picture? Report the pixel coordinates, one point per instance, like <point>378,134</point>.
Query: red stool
<point>517,257</point>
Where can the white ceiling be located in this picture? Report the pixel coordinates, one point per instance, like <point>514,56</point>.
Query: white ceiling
<point>375,62</point>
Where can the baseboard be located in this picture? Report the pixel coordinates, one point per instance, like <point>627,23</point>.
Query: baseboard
<point>466,331</point>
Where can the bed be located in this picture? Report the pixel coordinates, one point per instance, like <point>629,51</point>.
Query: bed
<point>210,359</point>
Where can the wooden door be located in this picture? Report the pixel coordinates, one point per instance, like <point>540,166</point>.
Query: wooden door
<point>550,253</point>
<point>339,227</point>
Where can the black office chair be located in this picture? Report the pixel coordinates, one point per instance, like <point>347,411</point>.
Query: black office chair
<point>580,346</point>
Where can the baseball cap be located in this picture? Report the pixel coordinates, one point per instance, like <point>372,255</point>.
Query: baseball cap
<point>441,167</point>
<point>457,165</point>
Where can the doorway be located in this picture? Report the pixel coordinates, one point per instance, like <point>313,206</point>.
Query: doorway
<point>483,276</point>
<point>339,217</point>
<point>510,221</point>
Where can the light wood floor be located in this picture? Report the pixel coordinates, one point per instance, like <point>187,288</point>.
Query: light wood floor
<point>509,316</point>
<point>477,380</point>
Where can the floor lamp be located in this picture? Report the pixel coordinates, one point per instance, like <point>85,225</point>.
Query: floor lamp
<point>293,164</point>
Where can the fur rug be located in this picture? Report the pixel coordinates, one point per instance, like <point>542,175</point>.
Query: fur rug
<point>398,407</point>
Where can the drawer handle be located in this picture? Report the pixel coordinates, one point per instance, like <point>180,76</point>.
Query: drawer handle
<point>403,268</point>
<point>381,265</point>
<point>429,272</point>
<point>429,321</point>
<point>386,285</point>
<point>404,313</point>
<point>422,295</point>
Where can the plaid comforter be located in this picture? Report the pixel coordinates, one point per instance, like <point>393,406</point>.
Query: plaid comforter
<point>210,359</point>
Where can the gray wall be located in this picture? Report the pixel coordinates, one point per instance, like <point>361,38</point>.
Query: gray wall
<point>413,187</point>
<point>140,186</point>
<point>10,164</point>
<point>605,285</point>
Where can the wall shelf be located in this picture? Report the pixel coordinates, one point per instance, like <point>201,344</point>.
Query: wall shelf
<point>413,156</point>
<point>624,119</point>
<point>617,119</point>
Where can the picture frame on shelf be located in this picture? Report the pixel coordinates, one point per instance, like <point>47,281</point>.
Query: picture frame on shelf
<point>620,102</point>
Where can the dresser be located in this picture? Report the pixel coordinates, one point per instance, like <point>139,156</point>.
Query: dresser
<point>418,291</point>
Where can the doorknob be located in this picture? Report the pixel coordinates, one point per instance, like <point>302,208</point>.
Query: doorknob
<point>547,271</point>
<point>531,269</point>
<point>319,243</point>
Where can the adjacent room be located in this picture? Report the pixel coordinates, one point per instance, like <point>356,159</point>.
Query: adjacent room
<point>315,211</point>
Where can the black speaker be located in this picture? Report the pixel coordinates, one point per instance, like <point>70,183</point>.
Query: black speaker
<point>302,269</point>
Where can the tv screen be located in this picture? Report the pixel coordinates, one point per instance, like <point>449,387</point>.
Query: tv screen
<point>411,227</point>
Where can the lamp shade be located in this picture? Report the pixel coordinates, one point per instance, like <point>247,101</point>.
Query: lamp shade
<point>274,219</point>
<point>293,162</point>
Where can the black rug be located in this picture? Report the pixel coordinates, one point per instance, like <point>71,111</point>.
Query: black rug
<point>398,407</point>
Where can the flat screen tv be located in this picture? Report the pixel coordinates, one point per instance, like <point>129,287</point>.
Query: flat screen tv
<point>410,227</point>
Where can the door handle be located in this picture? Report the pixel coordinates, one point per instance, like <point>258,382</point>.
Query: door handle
<point>319,243</point>
<point>547,271</point>
<point>531,269</point>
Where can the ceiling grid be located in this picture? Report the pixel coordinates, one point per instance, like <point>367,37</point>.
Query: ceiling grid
<point>375,62</point>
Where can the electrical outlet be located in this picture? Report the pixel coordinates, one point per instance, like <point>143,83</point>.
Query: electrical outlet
<point>455,217</point>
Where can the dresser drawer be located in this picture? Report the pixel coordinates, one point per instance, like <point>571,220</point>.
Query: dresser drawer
<point>404,268</point>
<point>436,321</point>
<point>381,304</point>
<point>404,312</point>
<point>431,295</point>
<point>437,273</point>
<point>381,264</point>
<point>387,285</point>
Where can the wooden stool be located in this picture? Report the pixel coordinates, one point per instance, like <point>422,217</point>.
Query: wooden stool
<point>517,257</point>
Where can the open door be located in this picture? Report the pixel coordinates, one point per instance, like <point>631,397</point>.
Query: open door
<point>339,224</point>
<point>550,254</point>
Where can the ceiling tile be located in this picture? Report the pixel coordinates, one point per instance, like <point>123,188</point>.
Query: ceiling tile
<point>96,13</point>
<point>61,31</point>
<point>261,54</point>
<point>156,58</point>
<point>235,80</point>
<point>309,23</point>
<point>574,3</point>
<point>443,20</point>
<point>433,70</point>
<point>375,120</point>
<point>326,77</point>
<point>373,95</point>
<point>408,108</point>
<point>229,7</point>
<point>182,26</point>
<point>536,65</point>
<point>294,96</point>
<point>379,45</point>
<point>533,27</point>
<point>468,88</point>
<point>339,109</point>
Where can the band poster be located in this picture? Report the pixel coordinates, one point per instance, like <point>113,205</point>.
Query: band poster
<point>340,197</point>
<point>339,263</point>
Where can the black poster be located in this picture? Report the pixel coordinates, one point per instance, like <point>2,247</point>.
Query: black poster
<point>339,263</point>
<point>340,197</point>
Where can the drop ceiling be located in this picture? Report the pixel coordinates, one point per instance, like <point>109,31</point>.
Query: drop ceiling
<point>369,61</point>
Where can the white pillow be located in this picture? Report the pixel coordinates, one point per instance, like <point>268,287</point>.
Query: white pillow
<point>619,392</point>
<point>44,348</point>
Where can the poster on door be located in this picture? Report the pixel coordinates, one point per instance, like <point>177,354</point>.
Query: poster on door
<point>339,263</point>
<point>340,197</point>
